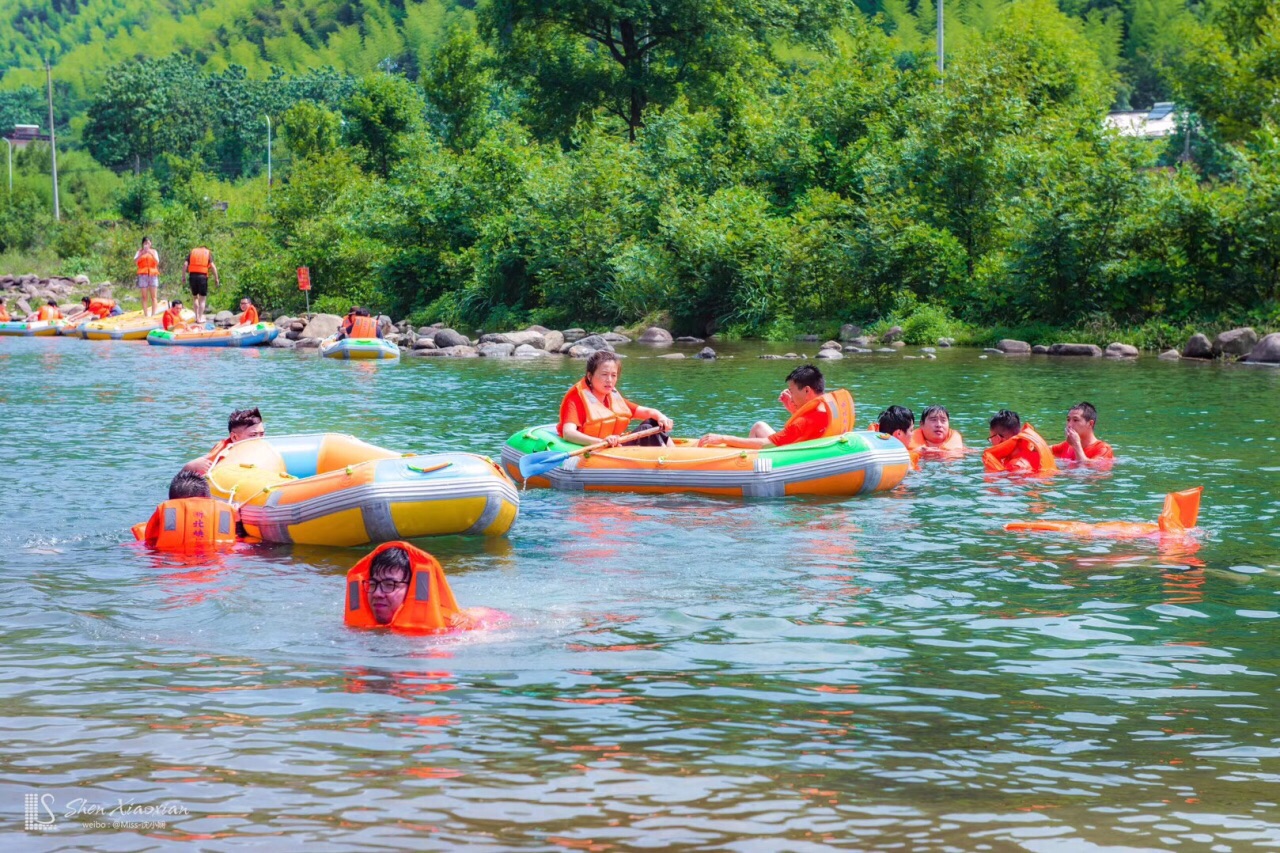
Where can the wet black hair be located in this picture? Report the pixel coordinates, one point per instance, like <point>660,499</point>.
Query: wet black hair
<point>808,376</point>
<point>930,410</point>
<point>1006,422</point>
<point>243,418</point>
<point>390,563</point>
<point>896,418</point>
<point>188,484</point>
<point>1087,410</point>
<point>52,302</point>
<point>86,300</point>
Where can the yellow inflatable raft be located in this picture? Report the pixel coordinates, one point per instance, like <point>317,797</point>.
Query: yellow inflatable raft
<point>333,489</point>
<point>131,326</point>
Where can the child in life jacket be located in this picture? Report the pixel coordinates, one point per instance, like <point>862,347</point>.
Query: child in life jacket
<point>403,588</point>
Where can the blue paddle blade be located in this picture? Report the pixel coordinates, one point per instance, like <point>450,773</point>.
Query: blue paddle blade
<point>534,464</point>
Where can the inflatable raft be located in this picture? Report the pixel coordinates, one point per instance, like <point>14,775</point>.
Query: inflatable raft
<point>34,329</point>
<point>360,348</point>
<point>236,336</point>
<point>133,326</point>
<point>333,489</point>
<point>851,464</point>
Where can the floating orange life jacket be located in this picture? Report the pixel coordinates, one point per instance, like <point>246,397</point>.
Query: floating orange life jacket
<point>429,606</point>
<point>1180,513</point>
<point>189,524</point>
<point>149,262</point>
<point>1025,452</point>
<point>953,443</point>
<point>100,307</point>
<point>48,312</point>
<point>602,420</point>
<point>837,403</point>
<point>198,261</point>
<point>363,327</point>
<point>249,316</point>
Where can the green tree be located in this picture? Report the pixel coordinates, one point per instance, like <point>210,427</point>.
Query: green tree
<point>382,114</point>
<point>310,130</point>
<point>147,108</point>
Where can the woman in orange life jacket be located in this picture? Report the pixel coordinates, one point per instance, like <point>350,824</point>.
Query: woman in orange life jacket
<point>815,413</point>
<point>48,311</point>
<point>96,308</point>
<point>935,438</point>
<point>243,423</point>
<point>1081,444</point>
<point>1016,447</point>
<point>148,263</point>
<point>593,410</point>
<point>403,588</point>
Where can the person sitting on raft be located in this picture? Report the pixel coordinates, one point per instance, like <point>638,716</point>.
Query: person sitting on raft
<point>1081,444</point>
<point>97,308</point>
<point>4,312</point>
<point>48,311</point>
<point>249,313</point>
<point>594,410</point>
<point>243,424</point>
<point>172,320</point>
<point>362,326</point>
<point>815,413</point>
<point>935,438</point>
<point>400,587</point>
<point>1016,447</point>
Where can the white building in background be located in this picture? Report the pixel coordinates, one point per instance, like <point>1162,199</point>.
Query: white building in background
<point>1159,121</point>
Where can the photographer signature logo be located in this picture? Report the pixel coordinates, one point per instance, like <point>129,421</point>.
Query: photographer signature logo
<point>38,813</point>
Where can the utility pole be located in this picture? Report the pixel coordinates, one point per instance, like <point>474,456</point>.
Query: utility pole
<point>941,61</point>
<point>268,118</point>
<point>53,141</point>
<point>10,144</point>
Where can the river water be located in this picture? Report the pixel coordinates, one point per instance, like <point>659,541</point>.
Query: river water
<point>893,672</point>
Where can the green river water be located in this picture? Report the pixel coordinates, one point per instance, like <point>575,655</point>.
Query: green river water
<point>891,672</point>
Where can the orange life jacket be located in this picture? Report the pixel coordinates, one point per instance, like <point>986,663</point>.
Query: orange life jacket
<point>48,312</point>
<point>837,403</point>
<point>1097,450</point>
<point>363,327</point>
<point>189,524</point>
<point>250,316</point>
<point>953,443</point>
<point>429,606</point>
<point>100,307</point>
<point>1026,452</point>
<point>602,420</point>
<point>198,261</point>
<point>172,318</point>
<point>149,262</point>
<point>4,315</point>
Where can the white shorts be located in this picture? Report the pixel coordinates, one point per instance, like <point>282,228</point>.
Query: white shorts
<point>148,281</point>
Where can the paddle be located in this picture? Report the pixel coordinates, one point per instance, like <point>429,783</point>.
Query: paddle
<point>534,464</point>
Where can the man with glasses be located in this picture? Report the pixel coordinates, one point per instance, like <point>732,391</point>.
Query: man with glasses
<point>243,424</point>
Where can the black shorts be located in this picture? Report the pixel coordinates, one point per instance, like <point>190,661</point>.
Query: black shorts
<point>199,283</point>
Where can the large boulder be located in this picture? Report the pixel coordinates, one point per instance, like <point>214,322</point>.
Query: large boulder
<point>541,330</point>
<point>707,352</point>
<point>1170,355</point>
<point>495,350</point>
<point>614,338</point>
<point>424,343</point>
<point>572,336</point>
<point>307,343</point>
<point>830,354</point>
<point>280,342</point>
<point>863,342</point>
<point>1090,350</point>
<point>1119,350</point>
<point>81,280</point>
<point>892,335</point>
<point>322,326</point>
<point>830,345</point>
<point>1267,350</point>
<point>23,306</point>
<point>1008,346</point>
<point>446,338</point>
<point>459,351</point>
<point>428,331</point>
<point>580,350</point>
<point>849,331</point>
<point>596,342</point>
<point>1039,349</point>
<point>655,335</point>
<point>1237,342</point>
<point>1198,346</point>
<point>284,321</point>
<point>530,351</point>
<point>516,339</point>
<point>552,341</point>
<point>224,319</point>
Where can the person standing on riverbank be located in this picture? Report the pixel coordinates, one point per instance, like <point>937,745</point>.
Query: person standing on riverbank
<point>815,413</point>
<point>148,263</point>
<point>197,268</point>
<point>1082,445</point>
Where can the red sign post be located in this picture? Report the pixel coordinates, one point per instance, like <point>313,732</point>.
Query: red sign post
<point>304,284</point>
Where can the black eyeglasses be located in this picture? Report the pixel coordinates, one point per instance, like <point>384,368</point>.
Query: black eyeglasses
<point>387,585</point>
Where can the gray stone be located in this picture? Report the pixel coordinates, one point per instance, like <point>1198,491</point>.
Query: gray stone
<point>1091,350</point>
<point>427,331</point>
<point>707,352</point>
<point>424,343</point>
<point>580,350</point>
<point>572,336</point>
<point>1237,342</point>
<point>830,354</point>
<point>655,335</point>
<point>1170,355</point>
<point>830,345</point>
<point>596,342</point>
<point>297,325</point>
<point>448,338</point>
<point>307,343</point>
<point>284,321</point>
<point>516,339</point>
<point>849,331</point>
<point>82,280</point>
<point>1266,351</point>
<point>946,342</point>
<point>1198,346</point>
<point>280,342</point>
<point>892,335</point>
<point>862,342</point>
<point>565,347</point>
<point>672,355</point>
<point>886,349</point>
<point>898,344</point>
<point>322,326</point>
<point>1008,346</point>
<point>689,339</point>
<point>23,306</point>
<point>541,330</point>
<point>459,351</point>
<point>615,338</point>
<point>224,319</point>
<point>927,349</point>
<point>808,339</point>
<point>530,351</point>
<point>1119,350</point>
<point>495,350</point>
<point>1039,349</point>
<point>993,350</point>
<point>552,341</point>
